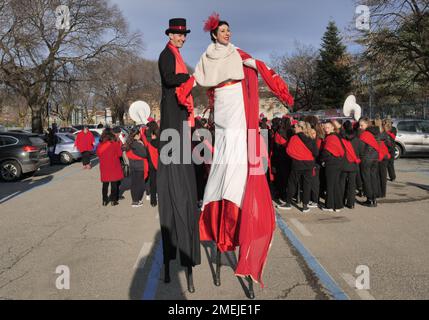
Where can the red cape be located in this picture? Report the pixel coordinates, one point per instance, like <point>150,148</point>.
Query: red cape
<point>350,152</point>
<point>333,145</point>
<point>297,150</point>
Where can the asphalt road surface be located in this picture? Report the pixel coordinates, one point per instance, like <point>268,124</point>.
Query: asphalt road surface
<point>58,242</point>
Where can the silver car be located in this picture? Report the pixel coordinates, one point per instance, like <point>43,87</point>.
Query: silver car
<point>65,150</point>
<point>412,137</point>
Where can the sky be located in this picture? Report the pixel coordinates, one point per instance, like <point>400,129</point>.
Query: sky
<point>260,27</point>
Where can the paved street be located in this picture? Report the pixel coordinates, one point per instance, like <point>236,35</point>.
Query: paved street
<point>56,219</point>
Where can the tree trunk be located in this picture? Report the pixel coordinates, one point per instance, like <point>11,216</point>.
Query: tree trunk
<point>36,119</point>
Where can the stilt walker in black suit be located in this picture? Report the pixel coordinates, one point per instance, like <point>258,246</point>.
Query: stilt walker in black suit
<point>177,191</point>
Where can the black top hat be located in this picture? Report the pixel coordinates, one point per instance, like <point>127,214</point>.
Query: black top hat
<point>177,25</point>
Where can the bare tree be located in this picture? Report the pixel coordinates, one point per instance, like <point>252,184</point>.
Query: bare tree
<point>399,36</point>
<point>299,70</point>
<point>34,46</point>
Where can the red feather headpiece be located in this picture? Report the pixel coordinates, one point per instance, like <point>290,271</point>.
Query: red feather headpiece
<point>212,22</point>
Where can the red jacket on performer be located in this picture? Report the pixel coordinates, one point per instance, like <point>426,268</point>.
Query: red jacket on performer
<point>109,153</point>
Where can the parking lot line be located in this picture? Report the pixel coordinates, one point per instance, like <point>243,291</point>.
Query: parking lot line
<point>301,228</point>
<point>324,277</point>
<point>143,255</point>
<point>351,281</point>
<point>8,197</point>
<point>153,278</point>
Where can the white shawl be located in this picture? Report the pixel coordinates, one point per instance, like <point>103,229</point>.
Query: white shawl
<point>218,64</point>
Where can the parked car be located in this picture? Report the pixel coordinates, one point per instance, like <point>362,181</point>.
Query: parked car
<point>412,137</point>
<point>65,150</point>
<point>21,153</point>
<point>67,130</point>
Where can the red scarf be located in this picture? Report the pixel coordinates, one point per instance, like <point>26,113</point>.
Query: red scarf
<point>350,152</point>
<point>132,156</point>
<point>297,150</point>
<point>384,152</point>
<point>153,152</point>
<point>368,138</point>
<point>319,143</point>
<point>391,134</point>
<point>333,145</point>
<point>279,139</point>
<point>183,92</point>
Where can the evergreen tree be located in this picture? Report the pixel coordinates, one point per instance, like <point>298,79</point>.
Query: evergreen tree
<point>334,75</point>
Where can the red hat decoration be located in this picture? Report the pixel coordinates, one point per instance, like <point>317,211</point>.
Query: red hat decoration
<point>212,22</point>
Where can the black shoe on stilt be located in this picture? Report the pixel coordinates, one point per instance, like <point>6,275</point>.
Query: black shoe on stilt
<point>251,292</point>
<point>167,278</point>
<point>190,280</point>
<point>217,275</point>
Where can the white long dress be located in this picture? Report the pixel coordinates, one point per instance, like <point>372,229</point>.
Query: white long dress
<point>228,174</point>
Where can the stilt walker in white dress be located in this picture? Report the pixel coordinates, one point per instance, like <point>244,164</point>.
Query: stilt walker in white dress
<point>237,207</point>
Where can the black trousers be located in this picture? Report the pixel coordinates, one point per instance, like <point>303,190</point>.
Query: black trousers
<point>295,177</point>
<point>391,169</point>
<point>315,187</point>
<point>334,193</point>
<point>348,184</point>
<point>138,185</point>
<point>382,170</point>
<point>370,178</point>
<point>179,214</point>
<point>114,191</point>
<point>359,182</point>
<point>86,158</point>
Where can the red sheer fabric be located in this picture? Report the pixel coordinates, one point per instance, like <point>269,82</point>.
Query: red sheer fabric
<point>220,223</point>
<point>257,217</point>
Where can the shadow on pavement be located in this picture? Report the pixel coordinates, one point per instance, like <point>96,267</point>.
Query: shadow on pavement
<point>148,281</point>
<point>11,190</point>
<point>231,261</point>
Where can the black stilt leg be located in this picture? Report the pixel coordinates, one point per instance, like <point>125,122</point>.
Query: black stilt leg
<point>167,272</point>
<point>190,280</point>
<point>217,275</point>
<point>251,292</point>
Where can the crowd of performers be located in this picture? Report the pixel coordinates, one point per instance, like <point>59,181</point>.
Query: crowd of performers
<point>330,160</point>
<point>229,200</point>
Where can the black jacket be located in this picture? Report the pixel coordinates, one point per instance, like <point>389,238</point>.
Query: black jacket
<point>312,146</point>
<point>358,147</point>
<point>172,115</point>
<point>327,159</point>
<point>139,150</point>
<point>369,153</point>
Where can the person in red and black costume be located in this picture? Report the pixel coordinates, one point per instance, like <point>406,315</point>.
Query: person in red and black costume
<point>391,146</point>
<point>177,195</point>
<point>369,164</point>
<point>383,159</point>
<point>280,161</point>
<point>332,159</point>
<point>150,138</point>
<point>137,155</point>
<point>109,153</point>
<point>303,151</point>
<point>353,147</point>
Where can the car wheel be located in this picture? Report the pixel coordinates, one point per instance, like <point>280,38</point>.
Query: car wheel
<point>66,158</point>
<point>10,171</point>
<point>398,152</point>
